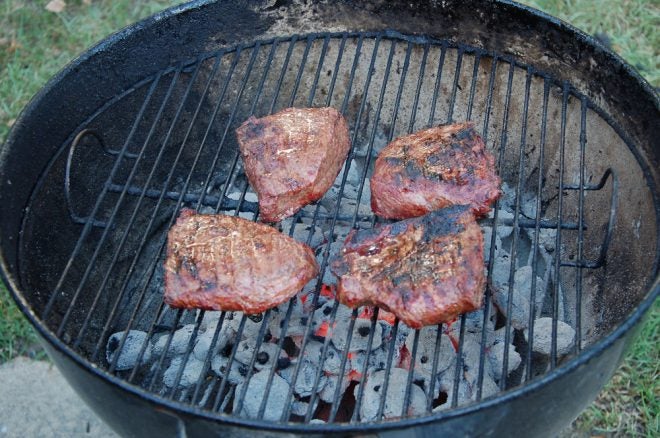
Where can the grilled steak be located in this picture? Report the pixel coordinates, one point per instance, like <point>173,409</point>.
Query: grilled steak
<point>425,270</point>
<point>431,169</point>
<point>218,262</point>
<point>292,157</point>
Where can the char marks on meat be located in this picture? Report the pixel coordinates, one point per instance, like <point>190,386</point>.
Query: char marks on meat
<point>432,169</point>
<point>426,270</point>
<point>292,157</point>
<point>218,262</point>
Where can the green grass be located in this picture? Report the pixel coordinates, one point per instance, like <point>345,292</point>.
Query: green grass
<point>630,25</point>
<point>630,403</point>
<point>35,44</point>
<point>16,335</point>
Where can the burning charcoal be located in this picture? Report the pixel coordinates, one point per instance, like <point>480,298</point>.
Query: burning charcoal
<point>497,336</point>
<point>447,386</point>
<point>328,392</point>
<point>328,277</point>
<point>207,209</point>
<point>244,350</point>
<point>205,339</point>
<point>377,360</point>
<point>297,320</point>
<point>251,327</point>
<point>311,208</point>
<point>543,337</point>
<point>300,407</point>
<point>402,334</point>
<point>233,194</point>
<point>422,378</point>
<point>332,362</point>
<point>191,372</point>
<point>130,350</point>
<point>266,357</point>
<point>504,216</point>
<point>496,359</point>
<point>334,249</point>
<point>488,232</point>
<point>306,376</point>
<point>329,200</point>
<point>520,296</point>
<point>474,322</point>
<point>237,373</point>
<point>354,173</point>
<point>356,360</point>
<point>426,350</point>
<point>547,240</point>
<point>396,393</point>
<point>549,292</point>
<point>322,316</point>
<point>528,206</point>
<point>256,391</point>
<point>209,321</point>
<point>489,387</point>
<point>471,350</point>
<point>340,232</point>
<point>301,233</point>
<point>350,191</point>
<point>523,281</point>
<point>205,397</point>
<point>321,319</point>
<point>179,342</point>
<point>348,207</point>
<point>361,331</point>
<point>508,198</point>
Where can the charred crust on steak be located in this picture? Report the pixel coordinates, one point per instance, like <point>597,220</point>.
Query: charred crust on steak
<point>431,169</point>
<point>425,270</point>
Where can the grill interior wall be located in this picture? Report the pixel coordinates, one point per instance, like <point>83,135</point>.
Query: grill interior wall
<point>180,132</point>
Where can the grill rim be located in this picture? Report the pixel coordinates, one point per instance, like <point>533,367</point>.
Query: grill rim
<point>581,359</point>
<point>586,355</point>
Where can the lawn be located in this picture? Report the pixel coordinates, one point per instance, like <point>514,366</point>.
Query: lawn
<point>35,43</point>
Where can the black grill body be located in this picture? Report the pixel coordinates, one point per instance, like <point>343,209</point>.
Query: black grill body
<point>110,150</point>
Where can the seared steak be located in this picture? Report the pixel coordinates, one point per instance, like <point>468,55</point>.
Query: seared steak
<point>431,169</point>
<point>425,270</point>
<point>218,262</point>
<point>292,157</point>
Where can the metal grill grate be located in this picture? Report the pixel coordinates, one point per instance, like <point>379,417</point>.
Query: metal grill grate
<point>168,143</point>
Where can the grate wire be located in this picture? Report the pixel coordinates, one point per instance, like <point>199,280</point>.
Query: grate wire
<point>217,394</point>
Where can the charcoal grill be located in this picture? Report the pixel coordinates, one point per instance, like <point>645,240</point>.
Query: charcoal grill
<point>100,163</point>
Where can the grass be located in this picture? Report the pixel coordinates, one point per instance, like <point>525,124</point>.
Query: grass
<point>630,27</point>
<point>36,43</point>
<point>629,405</point>
<point>16,336</point>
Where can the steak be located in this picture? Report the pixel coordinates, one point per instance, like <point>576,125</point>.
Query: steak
<point>425,270</point>
<point>432,169</point>
<point>218,262</point>
<point>292,157</point>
